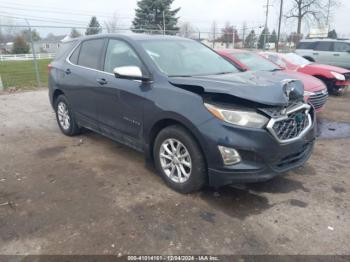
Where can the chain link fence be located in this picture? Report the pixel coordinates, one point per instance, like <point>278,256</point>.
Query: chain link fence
<point>25,53</point>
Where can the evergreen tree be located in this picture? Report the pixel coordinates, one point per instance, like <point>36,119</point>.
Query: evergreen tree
<point>149,16</point>
<point>250,39</point>
<point>74,33</point>
<point>273,37</point>
<point>262,38</point>
<point>332,34</point>
<point>20,46</point>
<point>94,27</point>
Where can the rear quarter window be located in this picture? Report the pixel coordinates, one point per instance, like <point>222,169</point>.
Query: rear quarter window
<point>65,47</point>
<point>306,45</point>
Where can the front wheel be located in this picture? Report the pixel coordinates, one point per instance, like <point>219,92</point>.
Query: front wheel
<point>179,160</point>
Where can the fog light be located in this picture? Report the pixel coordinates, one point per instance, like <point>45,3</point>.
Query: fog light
<point>229,155</point>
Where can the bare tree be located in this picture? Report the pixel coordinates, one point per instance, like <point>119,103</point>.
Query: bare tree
<point>213,32</point>
<point>112,24</point>
<point>308,9</point>
<point>186,30</point>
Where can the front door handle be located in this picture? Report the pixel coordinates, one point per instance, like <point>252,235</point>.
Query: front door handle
<point>336,54</point>
<point>101,81</point>
<point>315,53</point>
<point>68,71</point>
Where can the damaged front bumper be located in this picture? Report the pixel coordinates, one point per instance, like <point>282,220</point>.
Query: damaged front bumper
<point>262,155</point>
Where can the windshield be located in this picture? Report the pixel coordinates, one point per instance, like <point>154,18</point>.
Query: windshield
<point>295,59</point>
<point>255,62</point>
<point>186,58</point>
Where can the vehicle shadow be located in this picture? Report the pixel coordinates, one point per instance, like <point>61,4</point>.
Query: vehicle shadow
<point>241,201</point>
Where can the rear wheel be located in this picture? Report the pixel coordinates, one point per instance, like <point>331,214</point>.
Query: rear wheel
<point>65,117</point>
<point>179,160</point>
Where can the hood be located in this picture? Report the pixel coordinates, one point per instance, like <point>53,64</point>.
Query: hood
<point>269,88</point>
<point>328,68</point>
<point>311,84</point>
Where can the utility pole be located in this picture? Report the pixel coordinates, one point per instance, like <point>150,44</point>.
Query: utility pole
<point>163,23</point>
<point>279,25</point>
<point>266,20</point>
<point>34,54</point>
<point>233,36</point>
<point>243,36</point>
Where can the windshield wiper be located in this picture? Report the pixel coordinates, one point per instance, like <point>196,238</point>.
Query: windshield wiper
<point>276,69</point>
<point>224,73</point>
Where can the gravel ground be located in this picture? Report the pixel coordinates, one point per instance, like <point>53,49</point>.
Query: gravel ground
<point>89,195</point>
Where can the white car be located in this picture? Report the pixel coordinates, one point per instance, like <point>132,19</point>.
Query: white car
<point>326,51</point>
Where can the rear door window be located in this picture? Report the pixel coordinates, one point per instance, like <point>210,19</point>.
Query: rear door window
<point>341,47</point>
<point>324,46</point>
<point>91,53</point>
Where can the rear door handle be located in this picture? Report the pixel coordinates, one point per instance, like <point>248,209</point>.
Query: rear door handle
<point>101,81</point>
<point>336,54</point>
<point>315,53</point>
<point>68,71</point>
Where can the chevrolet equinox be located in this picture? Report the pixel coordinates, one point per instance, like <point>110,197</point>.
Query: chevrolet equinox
<point>192,113</point>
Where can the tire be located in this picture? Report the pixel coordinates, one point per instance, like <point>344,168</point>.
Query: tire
<point>65,117</point>
<point>184,142</point>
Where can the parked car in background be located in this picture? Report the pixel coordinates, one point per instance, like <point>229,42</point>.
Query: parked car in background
<point>315,90</point>
<point>337,79</point>
<point>190,111</point>
<point>325,51</point>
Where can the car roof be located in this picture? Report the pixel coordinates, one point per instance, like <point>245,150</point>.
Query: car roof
<point>324,40</point>
<point>133,36</point>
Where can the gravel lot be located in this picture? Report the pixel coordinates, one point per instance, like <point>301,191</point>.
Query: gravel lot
<point>89,195</point>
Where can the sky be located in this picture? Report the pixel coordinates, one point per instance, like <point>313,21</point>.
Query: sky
<point>200,13</point>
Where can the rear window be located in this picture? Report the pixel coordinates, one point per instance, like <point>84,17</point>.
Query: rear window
<point>306,45</point>
<point>64,48</point>
<point>91,53</point>
<point>324,46</point>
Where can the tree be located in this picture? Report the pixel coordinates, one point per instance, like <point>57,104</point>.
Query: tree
<point>332,34</point>
<point>310,9</point>
<point>94,27</point>
<point>250,40</point>
<point>227,34</point>
<point>112,24</point>
<point>155,15</point>
<point>264,32</point>
<point>74,33</point>
<point>273,37</point>
<point>186,30</point>
<point>294,38</point>
<point>35,35</point>
<point>20,46</point>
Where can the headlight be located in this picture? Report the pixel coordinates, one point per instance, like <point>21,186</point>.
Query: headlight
<point>237,117</point>
<point>338,76</point>
<point>308,93</point>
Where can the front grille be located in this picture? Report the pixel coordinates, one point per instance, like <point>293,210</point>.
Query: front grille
<point>318,99</point>
<point>292,125</point>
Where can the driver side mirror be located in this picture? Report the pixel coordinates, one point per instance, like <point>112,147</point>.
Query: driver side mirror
<point>130,72</point>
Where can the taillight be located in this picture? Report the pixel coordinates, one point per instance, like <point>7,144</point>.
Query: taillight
<point>49,67</point>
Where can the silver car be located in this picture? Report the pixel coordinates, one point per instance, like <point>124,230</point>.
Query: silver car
<point>326,51</point>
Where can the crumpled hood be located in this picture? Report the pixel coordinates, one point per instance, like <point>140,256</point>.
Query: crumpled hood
<point>260,87</point>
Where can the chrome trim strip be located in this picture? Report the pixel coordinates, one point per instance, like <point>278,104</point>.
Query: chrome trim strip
<point>289,111</point>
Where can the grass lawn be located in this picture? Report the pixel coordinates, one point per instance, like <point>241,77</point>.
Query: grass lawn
<point>21,74</point>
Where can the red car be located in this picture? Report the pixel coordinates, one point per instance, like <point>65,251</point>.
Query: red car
<point>315,90</point>
<point>337,79</point>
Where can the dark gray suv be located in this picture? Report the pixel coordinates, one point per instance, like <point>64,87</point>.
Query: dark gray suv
<point>191,112</point>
